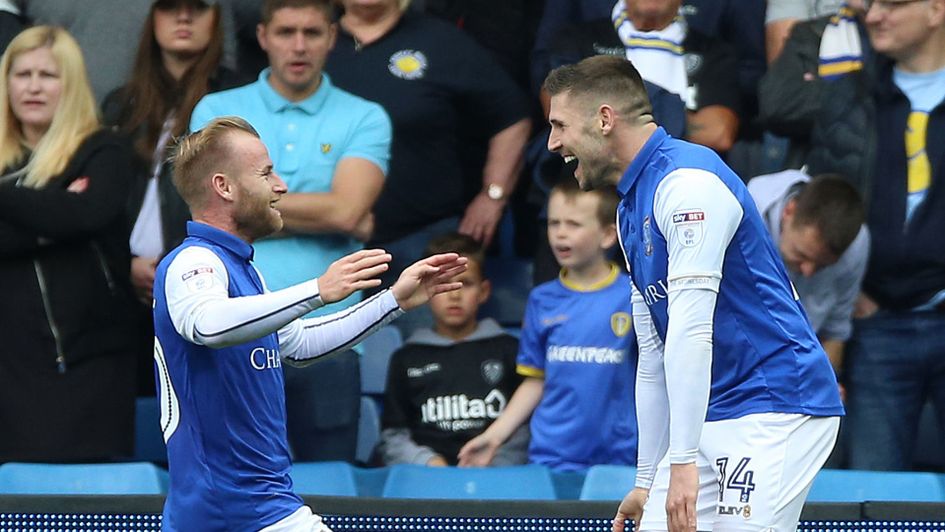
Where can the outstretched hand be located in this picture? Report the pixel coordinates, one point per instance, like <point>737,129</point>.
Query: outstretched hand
<point>428,277</point>
<point>357,271</point>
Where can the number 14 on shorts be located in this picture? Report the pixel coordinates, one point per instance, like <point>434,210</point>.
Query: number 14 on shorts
<point>740,480</point>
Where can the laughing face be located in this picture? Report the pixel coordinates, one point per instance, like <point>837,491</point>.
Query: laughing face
<point>574,137</point>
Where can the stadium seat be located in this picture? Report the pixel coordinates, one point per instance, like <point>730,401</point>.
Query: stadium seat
<point>514,482</point>
<point>607,482</point>
<point>511,280</point>
<point>369,430</point>
<point>137,478</point>
<point>149,442</point>
<point>324,478</point>
<point>834,485</point>
<point>378,349</point>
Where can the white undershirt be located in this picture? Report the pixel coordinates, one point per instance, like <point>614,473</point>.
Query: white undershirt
<point>203,312</point>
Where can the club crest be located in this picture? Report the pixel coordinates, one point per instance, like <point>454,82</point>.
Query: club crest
<point>647,237</point>
<point>620,323</point>
<point>492,371</point>
<point>408,64</point>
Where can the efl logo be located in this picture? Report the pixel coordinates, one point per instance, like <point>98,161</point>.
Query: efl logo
<point>687,217</point>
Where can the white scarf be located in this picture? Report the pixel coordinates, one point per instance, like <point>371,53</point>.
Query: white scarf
<point>840,49</point>
<point>657,55</point>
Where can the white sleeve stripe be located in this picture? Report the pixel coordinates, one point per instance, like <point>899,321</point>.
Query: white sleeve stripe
<point>256,319</point>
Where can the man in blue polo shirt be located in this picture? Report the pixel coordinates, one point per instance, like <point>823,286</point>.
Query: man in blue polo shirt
<point>332,148</point>
<point>221,337</point>
<point>737,405</point>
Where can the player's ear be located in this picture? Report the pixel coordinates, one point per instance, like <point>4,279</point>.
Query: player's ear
<point>222,186</point>
<point>606,117</point>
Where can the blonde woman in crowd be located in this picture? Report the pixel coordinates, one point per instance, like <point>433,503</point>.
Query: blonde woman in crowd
<point>66,374</point>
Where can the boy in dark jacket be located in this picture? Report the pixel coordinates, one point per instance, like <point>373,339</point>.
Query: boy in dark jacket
<point>449,383</point>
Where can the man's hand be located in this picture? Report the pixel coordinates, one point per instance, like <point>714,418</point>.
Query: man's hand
<point>481,218</point>
<point>631,508</point>
<point>426,278</point>
<point>351,273</point>
<point>142,278</point>
<point>478,452</point>
<point>681,497</point>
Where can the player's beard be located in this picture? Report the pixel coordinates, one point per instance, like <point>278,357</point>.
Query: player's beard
<point>256,219</point>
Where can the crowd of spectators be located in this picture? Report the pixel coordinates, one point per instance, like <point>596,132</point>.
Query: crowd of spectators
<point>393,122</point>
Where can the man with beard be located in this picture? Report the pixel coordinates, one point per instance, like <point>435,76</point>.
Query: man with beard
<point>221,336</point>
<point>737,404</point>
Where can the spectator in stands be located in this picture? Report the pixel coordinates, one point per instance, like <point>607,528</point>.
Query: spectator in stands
<point>556,15</point>
<point>817,50</point>
<point>107,30</point>
<point>332,149</point>
<point>884,127</point>
<point>441,89</point>
<point>818,227</point>
<point>178,61</point>
<point>782,15</point>
<point>577,351</point>
<point>66,369</point>
<point>449,383</point>
<point>671,54</point>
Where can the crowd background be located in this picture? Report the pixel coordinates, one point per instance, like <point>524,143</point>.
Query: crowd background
<point>853,89</point>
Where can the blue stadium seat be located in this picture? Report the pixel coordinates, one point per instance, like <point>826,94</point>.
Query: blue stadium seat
<point>378,349</point>
<point>607,482</point>
<point>83,479</point>
<point>514,482</point>
<point>149,442</point>
<point>834,485</point>
<point>369,430</point>
<point>324,478</point>
<point>511,280</point>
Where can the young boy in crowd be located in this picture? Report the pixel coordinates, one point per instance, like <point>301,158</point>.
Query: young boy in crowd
<point>578,352</point>
<point>449,383</point>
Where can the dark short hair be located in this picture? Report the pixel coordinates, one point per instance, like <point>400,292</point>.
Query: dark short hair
<point>607,198</point>
<point>454,242</point>
<point>831,204</point>
<point>603,79</point>
<point>269,7</point>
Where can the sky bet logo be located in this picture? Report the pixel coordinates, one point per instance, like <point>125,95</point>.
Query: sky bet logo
<point>263,359</point>
<point>686,217</point>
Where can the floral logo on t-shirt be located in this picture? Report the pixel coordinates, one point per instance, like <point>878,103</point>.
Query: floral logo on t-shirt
<point>408,64</point>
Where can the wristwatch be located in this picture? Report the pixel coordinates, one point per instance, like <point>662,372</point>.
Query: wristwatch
<point>495,191</point>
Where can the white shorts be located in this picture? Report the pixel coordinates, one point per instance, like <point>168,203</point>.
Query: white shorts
<point>754,473</point>
<point>301,520</point>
